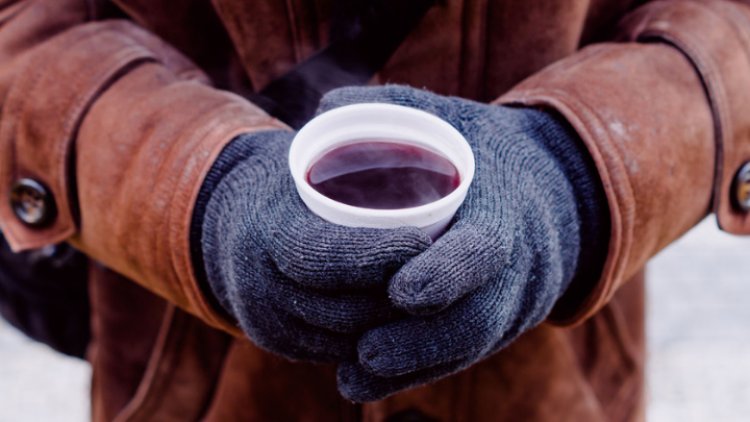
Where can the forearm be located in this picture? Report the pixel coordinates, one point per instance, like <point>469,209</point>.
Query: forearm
<point>174,131</point>
<point>120,130</point>
<point>662,118</point>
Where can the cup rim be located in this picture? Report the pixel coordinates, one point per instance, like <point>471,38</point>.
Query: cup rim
<point>425,211</point>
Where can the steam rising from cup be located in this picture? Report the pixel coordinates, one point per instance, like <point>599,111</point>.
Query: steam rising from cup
<point>419,136</point>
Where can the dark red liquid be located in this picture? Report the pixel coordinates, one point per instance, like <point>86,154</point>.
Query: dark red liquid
<point>383,174</point>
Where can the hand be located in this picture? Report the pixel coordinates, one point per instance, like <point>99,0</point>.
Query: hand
<point>511,252</point>
<point>299,286</point>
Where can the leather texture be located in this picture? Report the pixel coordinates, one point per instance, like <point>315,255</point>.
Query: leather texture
<point>624,131</point>
<point>722,58</point>
<point>26,148</point>
<point>116,69</point>
<point>121,120</point>
<point>155,373</point>
<point>171,139</point>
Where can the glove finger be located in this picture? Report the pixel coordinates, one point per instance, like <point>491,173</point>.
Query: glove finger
<point>463,259</point>
<point>285,335</point>
<point>341,313</point>
<point>322,255</point>
<point>257,295</point>
<point>359,385</point>
<point>467,330</point>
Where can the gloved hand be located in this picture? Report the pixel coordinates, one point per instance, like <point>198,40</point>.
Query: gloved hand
<point>511,252</point>
<point>298,286</point>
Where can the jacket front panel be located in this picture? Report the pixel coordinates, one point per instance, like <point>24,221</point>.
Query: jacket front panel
<point>125,143</point>
<point>485,46</point>
<point>593,372</point>
<point>188,371</point>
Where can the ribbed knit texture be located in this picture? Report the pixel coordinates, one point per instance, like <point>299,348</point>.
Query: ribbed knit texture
<point>511,253</point>
<point>298,286</point>
<point>394,314</point>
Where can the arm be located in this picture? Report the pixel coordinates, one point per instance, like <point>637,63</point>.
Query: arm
<point>120,129</point>
<point>663,114</point>
<point>151,171</point>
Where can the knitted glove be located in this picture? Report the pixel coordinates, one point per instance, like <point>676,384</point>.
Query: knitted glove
<point>511,252</point>
<point>298,286</point>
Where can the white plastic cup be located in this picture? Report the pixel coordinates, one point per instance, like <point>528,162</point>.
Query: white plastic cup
<point>355,123</point>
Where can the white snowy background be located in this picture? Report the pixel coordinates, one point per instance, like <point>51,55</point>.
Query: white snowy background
<point>698,327</point>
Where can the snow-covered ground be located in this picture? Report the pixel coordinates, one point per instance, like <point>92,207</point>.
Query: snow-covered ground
<point>699,329</point>
<point>37,384</point>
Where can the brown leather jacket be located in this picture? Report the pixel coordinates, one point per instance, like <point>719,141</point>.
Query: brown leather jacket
<point>120,112</point>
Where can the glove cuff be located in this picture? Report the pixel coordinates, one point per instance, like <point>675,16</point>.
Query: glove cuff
<point>563,143</point>
<point>237,150</point>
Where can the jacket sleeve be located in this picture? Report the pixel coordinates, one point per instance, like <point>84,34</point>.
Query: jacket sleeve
<point>119,129</point>
<point>664,114</point>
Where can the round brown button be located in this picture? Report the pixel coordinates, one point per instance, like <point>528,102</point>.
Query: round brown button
<point>32,203</point>
<point>742,187</point>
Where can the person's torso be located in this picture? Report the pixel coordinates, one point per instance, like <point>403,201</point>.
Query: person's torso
<point>472,48</point>
<point>476,49</point>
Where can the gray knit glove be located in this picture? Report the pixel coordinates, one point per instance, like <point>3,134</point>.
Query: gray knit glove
<point>511,252</point>
<point>298,286</point>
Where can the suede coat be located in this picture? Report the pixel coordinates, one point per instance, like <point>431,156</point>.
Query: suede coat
<point>119,109</point>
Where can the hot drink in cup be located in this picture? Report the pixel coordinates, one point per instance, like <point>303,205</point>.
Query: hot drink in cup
<point>383,174</point>
<point>383,166</point>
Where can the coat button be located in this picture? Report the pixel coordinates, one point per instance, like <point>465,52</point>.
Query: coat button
<point>32,203</point>
<point>742,187</point>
